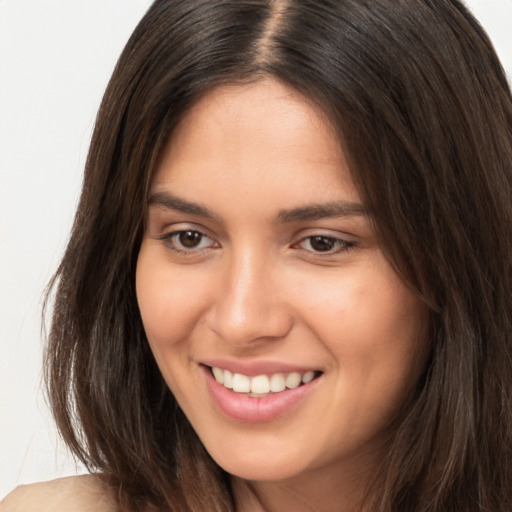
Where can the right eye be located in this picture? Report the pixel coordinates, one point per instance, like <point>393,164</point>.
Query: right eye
<point>188,240</point>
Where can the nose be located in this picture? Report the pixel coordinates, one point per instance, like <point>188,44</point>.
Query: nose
<point>249,303</point>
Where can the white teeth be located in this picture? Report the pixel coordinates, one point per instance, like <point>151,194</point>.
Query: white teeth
<point>241,383</point>
<point>219,375</point>
<point>228,379</point>
<point>261,385</point>
<point>277,383</point>
<point>293,380</point>
<point>308,377</point>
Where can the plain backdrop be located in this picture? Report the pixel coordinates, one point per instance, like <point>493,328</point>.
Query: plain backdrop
<point>56,57</point>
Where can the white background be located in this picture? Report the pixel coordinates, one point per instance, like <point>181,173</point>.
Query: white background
<point>55,60</point>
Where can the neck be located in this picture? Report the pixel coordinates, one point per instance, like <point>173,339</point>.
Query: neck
<point>310,492</point>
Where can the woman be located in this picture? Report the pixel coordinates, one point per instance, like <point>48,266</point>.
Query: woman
<point>288,282</point>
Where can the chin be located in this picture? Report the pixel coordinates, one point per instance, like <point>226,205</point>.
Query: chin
<point>252,470</point>
<point>266,460</point>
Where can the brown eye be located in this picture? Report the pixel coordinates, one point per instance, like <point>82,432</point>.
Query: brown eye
<point>325,244</point>
<point>322,243</point>
<point>190,239</point>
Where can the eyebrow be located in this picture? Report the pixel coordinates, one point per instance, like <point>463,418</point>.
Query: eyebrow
<point>166,200</point>
<point>333,209</point>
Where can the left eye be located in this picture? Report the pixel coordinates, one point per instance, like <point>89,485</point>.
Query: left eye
<point>189,240</point>
<point>322,243</point>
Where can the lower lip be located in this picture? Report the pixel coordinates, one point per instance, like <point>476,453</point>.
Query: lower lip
<point>254,410</point>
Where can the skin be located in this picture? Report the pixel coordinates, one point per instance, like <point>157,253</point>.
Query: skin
<point>256,287</point>
<point>85,493</point>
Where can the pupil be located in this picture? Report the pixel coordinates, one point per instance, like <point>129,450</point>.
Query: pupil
<point>190,238</point>
<point>322,243</point>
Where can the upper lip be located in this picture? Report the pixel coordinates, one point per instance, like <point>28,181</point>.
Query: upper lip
<point>254,368</point>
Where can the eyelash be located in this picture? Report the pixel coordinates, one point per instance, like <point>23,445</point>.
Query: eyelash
<point>339,244</point>
<point>168,239</point>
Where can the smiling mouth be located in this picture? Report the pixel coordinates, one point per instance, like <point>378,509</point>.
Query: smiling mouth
<point>262,385</point>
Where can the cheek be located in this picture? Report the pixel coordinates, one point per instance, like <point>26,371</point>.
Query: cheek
<point>373,327</point>
<point>170,302</point>
<point>374,308</point>
<point>387,354</point>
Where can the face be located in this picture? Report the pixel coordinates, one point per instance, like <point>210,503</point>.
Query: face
<point>283,332</point>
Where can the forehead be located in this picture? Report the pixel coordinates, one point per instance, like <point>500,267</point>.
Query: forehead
<point>256,139</point>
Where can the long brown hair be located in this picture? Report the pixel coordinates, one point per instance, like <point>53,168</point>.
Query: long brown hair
<point>423,109</point>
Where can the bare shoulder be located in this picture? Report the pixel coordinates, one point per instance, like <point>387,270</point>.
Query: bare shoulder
<point>84,493</point>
